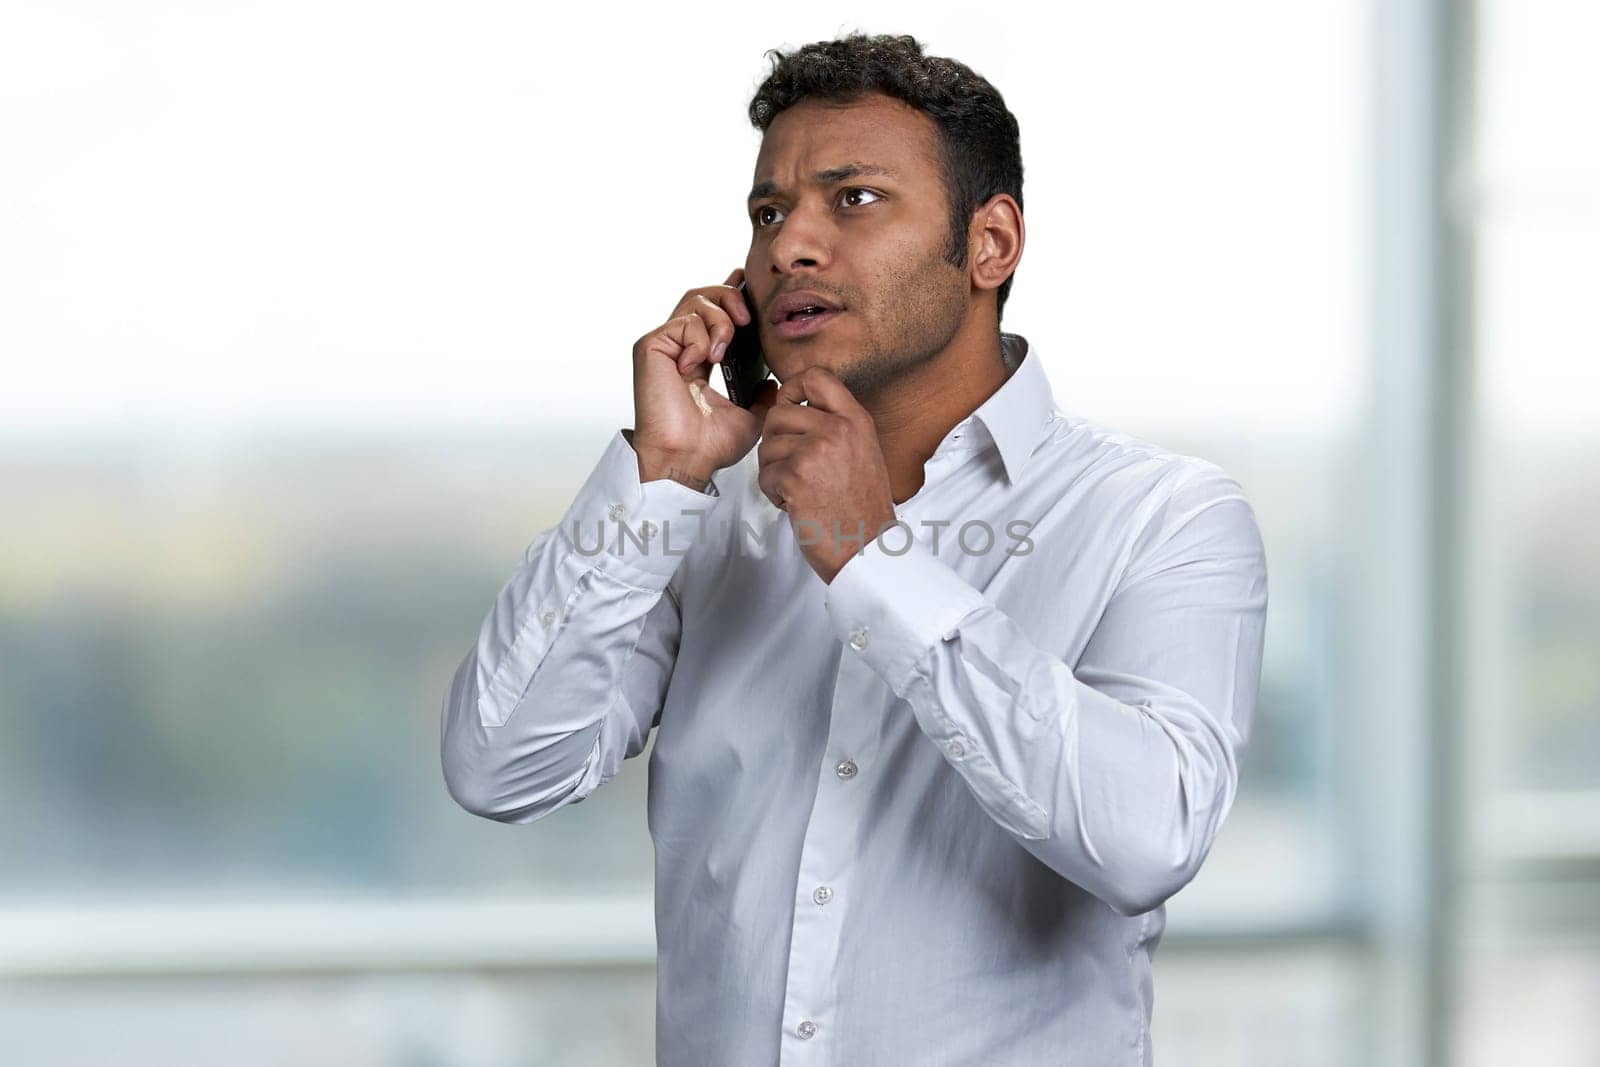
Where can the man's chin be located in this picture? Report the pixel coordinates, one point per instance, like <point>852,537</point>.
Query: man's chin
<point>797,362</point>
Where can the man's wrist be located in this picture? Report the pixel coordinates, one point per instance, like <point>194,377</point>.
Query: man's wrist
<point>650,471</point>
<point>655,465</point>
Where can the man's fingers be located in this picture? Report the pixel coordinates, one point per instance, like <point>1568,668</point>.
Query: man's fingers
<point>689,331</point>
<point>768,482</point>
<point>793,419</point>
<point>719,327</point>
<point>733,302</point>
<point>818,387</point>
<point>777,449</point>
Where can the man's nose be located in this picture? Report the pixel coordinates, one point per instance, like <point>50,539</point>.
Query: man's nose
<point>805,239</point>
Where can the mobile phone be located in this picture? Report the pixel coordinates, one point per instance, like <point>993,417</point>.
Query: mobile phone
<point>744,366</point>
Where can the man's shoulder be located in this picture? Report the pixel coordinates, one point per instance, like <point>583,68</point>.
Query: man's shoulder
<point>1180,507</point>
<point>1124,461</point>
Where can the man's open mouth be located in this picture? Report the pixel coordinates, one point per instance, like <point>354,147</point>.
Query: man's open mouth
<point>807,320</point>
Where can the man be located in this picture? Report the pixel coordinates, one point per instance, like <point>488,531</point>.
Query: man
<point>916,798</point>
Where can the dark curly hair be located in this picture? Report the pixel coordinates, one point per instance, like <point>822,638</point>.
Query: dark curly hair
<point>979,145</point>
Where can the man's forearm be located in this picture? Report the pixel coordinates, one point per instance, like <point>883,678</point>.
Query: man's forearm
<point>571,663</point>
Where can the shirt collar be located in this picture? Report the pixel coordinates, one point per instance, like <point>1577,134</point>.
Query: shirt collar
<point>1014,417</point>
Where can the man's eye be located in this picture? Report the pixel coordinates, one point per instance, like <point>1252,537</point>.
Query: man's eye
<point>756,215</point>
<point>869,192</point>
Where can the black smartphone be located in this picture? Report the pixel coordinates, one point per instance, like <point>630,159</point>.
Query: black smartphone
<point>744,367</point>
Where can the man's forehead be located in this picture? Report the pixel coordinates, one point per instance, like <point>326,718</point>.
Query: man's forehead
<point>823,136</point>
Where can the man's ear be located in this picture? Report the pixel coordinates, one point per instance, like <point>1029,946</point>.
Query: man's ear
<point>995,241</point>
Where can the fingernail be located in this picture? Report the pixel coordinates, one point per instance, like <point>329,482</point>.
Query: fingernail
<point>716,350</point>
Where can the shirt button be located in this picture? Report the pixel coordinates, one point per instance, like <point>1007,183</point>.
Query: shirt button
<point>822,894</point>
<point>954,748</point>
<point>617,511</point>
<point>806,1029</point>
<point>648,529</point>
<point>549,618</point>
<point>846,769</point>
<point>858,638</point>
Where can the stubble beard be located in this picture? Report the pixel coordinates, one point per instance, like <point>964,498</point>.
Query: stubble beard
<point>922,329</point>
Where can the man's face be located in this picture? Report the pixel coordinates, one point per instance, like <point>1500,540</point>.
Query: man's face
<point>872,243</point>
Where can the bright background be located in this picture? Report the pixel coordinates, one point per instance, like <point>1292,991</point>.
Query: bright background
<point>312,316</point>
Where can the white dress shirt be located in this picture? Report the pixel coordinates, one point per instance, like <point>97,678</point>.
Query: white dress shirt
<point>926,814</point>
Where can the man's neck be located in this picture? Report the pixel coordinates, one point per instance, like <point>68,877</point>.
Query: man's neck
<point>916,414</point>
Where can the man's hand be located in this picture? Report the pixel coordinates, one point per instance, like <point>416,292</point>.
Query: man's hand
<point>683,429</point>
<point>821,463</point>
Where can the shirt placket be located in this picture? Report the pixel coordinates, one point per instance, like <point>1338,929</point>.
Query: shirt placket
<point>822,889</point>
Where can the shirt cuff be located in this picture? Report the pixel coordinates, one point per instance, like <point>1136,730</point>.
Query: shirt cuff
<point>890,606</point>
<point>637,532</point>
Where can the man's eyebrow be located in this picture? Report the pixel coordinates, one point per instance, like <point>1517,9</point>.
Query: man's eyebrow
<point>824,177</point>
